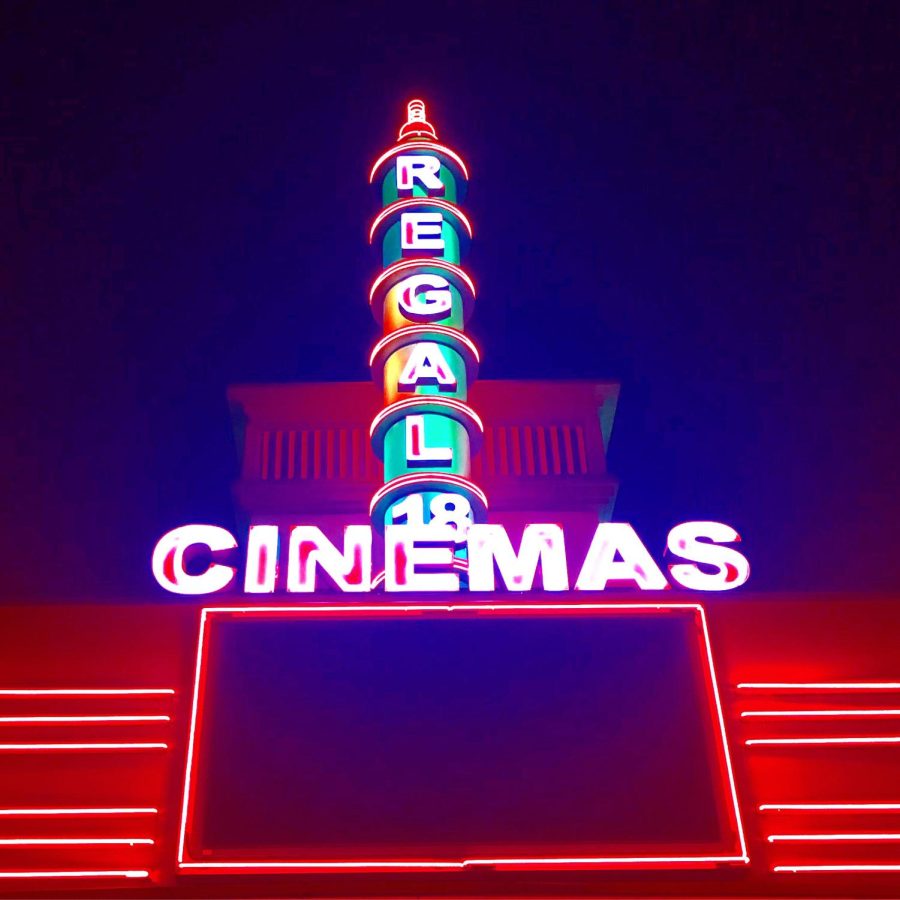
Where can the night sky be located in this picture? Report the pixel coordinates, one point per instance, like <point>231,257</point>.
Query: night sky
<point>697,200</point>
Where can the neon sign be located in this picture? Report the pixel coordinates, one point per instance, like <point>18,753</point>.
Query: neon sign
<point>424,360</point>
<point>433,557</point>
<point>429,517</point>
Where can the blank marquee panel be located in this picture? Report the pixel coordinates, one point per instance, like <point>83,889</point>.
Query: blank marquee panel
<point>492,736</point>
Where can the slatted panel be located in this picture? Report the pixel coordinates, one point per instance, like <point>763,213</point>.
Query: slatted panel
<point>342,453</point>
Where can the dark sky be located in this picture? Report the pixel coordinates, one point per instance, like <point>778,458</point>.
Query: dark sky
<point>698,200</point>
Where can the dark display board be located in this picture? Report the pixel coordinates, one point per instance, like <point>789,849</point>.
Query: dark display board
<point>458,736</point>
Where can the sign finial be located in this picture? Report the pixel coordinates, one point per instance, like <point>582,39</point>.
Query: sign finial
<point>417,126</point>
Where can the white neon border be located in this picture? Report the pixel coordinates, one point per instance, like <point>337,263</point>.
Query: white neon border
<point>512,862</point>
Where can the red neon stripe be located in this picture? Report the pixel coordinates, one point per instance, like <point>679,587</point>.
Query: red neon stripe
<point>852,836</point>
<point>841,867</point>
<point>766,807</point>
<point>85,811</point>
<point>823,713</point>
<point>10,720</point>
<point>188,766</point>
<point>825,740</point>
<point>85,873</point>
<point>83,692</point>
<point>736,806</point>
<point>252,866</point>
<point>602,860</point>
<point>74,842</point>
<point>92,746</point>
<point>614,861</point>
<point>821,685</point>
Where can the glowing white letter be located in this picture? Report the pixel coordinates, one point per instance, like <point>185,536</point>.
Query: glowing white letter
<point>168,559</point>
<point>601,566</point>
<point>540,543</point>
<point>261,572</point>
<point>686,541</point>
<point>417,454</point>
<point>419,558</point>
<point>422,305</point>
<point>421,231</point>
<point>425,168</point>
<point>309,549</point>
<point>426,365</point>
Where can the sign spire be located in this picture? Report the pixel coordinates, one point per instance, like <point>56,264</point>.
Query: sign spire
<point>416,126</point>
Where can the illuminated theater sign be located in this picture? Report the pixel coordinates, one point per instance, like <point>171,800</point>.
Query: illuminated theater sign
<point>430,663</point>
<point>432,515</point>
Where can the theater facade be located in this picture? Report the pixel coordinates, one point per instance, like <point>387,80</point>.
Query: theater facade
<point>427,660</point>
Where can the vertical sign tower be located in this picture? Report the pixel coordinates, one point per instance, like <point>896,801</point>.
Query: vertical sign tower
<point>427,433</point>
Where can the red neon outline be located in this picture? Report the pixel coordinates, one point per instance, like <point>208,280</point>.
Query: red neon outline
<point>418,145</point>
<point>84,873</point>
<point>852,836</point>
<point>770,713</point>
<point>825,740</point>
<point>519,862</point>
<point>841,867</point>
<point>85,746</point>
<point>399,205</point>
<point>427,262</point>
<point>769,807</point>
<point>821,685</point>
<point>421,332</point>
<point>13,720</point>
<point>70,842</point>
<point>82,811</point>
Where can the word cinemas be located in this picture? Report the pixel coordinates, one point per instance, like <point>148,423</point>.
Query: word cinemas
<point>445,557</point>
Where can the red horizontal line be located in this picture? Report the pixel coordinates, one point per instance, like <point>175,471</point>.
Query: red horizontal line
<point>824,713</point>
<point>97,746</point>
<point>825,740</point>
<point>841,867</point>
<point>82,692</point>
<point>75,842</point>
<point>82,811</point>
<point>765,807</point>
<point>87,873</point>
<point>20,720</point>
<point>822,685</point>
<point>853,836</point>
<point>561,861</point>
